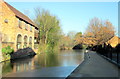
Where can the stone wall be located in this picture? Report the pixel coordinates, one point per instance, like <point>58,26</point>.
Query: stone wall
<point>7,27</point>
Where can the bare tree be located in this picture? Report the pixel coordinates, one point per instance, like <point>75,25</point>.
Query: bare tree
<point>99,32</point>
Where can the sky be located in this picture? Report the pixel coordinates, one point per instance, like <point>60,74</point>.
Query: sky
<point>62,0</point>
<point>73,16</point>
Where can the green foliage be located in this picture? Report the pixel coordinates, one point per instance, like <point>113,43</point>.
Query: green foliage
<point>78,34</point>
<point>6,67</point>
<point>7,50</point>
<point>78,38</point>
<point>49,29</point>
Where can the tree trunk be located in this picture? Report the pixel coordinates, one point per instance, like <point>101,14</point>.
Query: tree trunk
<point>46,37</point>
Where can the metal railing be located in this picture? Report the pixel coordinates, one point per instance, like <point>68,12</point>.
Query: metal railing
<point>113,56</point>
<point>109,52</point>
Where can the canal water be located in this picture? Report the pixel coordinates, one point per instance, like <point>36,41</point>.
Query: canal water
<point>44,64</point>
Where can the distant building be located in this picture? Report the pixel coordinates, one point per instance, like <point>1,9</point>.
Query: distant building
<point>114,41</point>
<point>18,31</point>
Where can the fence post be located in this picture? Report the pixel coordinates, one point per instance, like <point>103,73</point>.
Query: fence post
<point>118,57</point>
<point>111,55</point>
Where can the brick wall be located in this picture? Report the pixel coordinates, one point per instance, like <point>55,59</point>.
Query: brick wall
<point>5,44</point>
<point>10,29</point>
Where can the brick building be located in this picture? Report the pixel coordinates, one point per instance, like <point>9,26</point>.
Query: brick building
<point>18,31</point>
<point>114,41</point>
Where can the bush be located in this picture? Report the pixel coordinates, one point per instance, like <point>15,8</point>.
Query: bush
<point>7,50</point>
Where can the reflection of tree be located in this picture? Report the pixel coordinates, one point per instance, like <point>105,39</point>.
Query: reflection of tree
<point>47,59</point>
<point>7,67</point>
<point>52,59</point>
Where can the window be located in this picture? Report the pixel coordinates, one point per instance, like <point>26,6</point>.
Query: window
<point>19,23</point>
<point>23,23</point>
<point>30,42</point>
<point>25,41</point>
<point>26,26</point>
<point>30,28</point>
<point>19,41</point>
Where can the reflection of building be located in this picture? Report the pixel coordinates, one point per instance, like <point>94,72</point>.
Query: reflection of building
<point>27,64</point>
<point>114,41</point>
<point>18,31</point>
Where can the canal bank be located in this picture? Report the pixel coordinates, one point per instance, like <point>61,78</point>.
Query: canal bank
<point>95,66</point>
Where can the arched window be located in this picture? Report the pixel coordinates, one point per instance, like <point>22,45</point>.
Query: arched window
<point>30,42</point>
<point>19,41</point>
<point>25,41</point>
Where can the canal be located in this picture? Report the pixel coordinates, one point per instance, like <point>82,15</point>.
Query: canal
<point>51,64</point>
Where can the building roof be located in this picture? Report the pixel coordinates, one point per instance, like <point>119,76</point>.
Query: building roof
<point>114,41</point>
<point>20,15</point>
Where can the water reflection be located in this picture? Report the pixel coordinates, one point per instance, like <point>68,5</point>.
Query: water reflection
<point>50,59</point>
<point>47,60</point>
<point>19,65</point>
<point>22,65</point>
<point>0,71</point>
<point>6,67</point>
